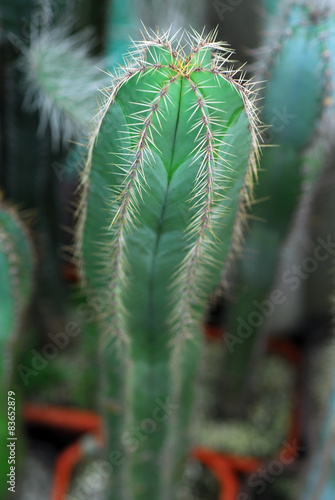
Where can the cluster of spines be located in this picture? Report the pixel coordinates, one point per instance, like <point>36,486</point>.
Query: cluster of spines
<point>205,190</point>
<point>61,79</point>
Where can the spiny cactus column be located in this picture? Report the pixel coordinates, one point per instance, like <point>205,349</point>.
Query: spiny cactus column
<point>15,293</point>
<point>169,169</point>
<point>297,65</point>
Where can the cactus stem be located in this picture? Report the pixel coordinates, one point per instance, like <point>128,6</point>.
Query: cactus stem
<point>162,188</point>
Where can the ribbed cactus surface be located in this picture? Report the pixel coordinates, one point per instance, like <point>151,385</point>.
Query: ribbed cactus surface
<point>169,169</point>
<point>15,292</point>
<point>16,272</point>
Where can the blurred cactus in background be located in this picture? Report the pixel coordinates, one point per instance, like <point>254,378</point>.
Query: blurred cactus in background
<point>16,261</point>
<point>297,66</point>
<point>134,191</point>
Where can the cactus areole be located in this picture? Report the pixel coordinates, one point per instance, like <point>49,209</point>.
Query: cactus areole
<point>169,170</point>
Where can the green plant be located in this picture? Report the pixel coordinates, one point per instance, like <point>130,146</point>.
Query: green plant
<point>297,63</point>
<point>166,193</point>
<point>16,267</point>
<point>169,170</point>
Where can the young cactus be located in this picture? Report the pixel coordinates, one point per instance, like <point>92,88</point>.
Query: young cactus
<point>15,293</point>
<point>169,169</point>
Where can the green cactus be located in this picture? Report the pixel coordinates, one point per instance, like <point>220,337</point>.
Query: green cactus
<point>301,43</point>
<point>16,263</point>
<point>169,170</point>
<point>61,80</point>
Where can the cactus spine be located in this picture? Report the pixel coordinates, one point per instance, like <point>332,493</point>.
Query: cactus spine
<point>169,169</point>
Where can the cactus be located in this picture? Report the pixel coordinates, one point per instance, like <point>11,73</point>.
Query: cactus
<point>61,80</point>
<point>16,261</point>
<point>301,42</point>
<point>169,170</point>
<point>17,265</point>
